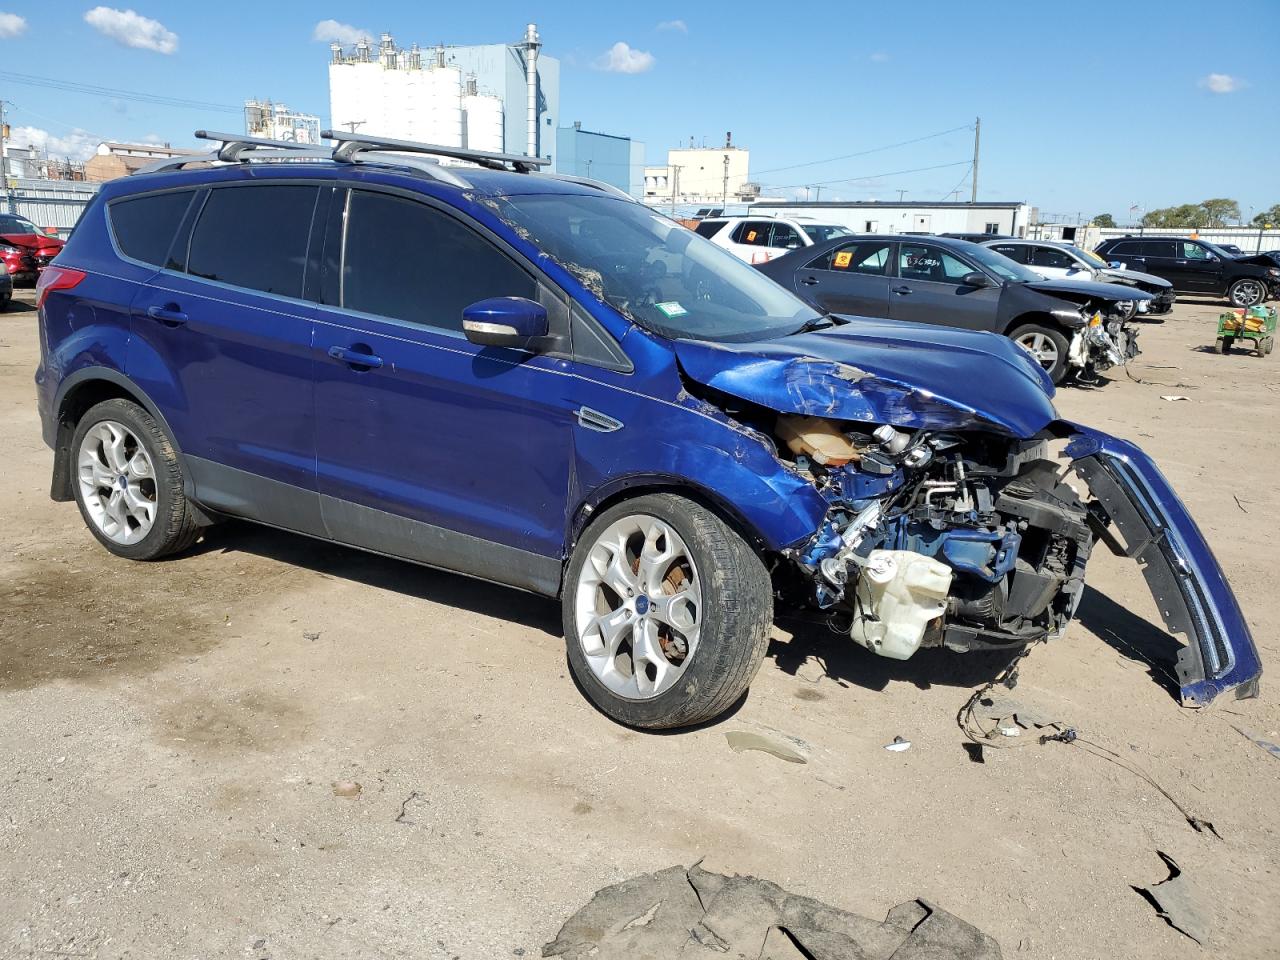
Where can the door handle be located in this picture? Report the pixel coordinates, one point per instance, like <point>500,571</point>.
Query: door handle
<point>809,281</point>
<point>902,291</point>
<point>354,357</point>
<point>169,315</point>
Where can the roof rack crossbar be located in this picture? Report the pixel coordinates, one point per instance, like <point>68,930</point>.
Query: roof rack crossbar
<point>351,145</point>
<point>235,145</point>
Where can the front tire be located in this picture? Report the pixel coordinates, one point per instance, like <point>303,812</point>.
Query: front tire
<point>667,612</point>
<point>1247,292</point>
<point>1047,345</point>
<point>127,480</point>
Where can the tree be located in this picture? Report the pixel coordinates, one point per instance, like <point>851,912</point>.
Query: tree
<point>1104,220</point>
<point>1219,212</point>
<point>1183,215</point>
<point>1268,217</point>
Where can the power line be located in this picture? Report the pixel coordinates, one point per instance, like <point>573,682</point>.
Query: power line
<point>863,153</point>
<point>958,183</point>
<point>873,176</point>
<point>117,94</point>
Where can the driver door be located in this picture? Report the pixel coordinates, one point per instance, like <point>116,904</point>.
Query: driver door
<point>928,289</point>
<point>1195,268</point>
<point>428,446</point>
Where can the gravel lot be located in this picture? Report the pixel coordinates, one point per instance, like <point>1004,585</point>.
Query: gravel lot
<point>171,734</point>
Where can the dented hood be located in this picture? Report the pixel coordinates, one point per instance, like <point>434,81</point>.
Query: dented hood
<point>883,371</point>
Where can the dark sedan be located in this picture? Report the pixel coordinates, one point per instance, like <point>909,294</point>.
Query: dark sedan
<point>1070,326</point>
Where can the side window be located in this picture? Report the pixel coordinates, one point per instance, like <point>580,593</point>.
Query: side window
<point>708,228</point>
<point>1050,257</point>
<point>1014,251</point>
<point>1193,251</point>
<point>144,226</point>
<point>918,261</point>
<point>254,237</point>
<point>866,258</point>
<point>753,233</point>
<point>1158,248</point>
<point>786,237</point>
<point>1130,247</point>
<point>413,263</point>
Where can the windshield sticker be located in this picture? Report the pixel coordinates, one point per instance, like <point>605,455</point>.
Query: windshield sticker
<point>843,259</point>
<point>671,309</point>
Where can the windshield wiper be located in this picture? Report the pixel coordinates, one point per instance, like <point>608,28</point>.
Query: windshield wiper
<point>821,322</point>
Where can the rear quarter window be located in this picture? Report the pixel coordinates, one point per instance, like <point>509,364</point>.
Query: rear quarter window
<point>144,226</point>
<point>709,228</point>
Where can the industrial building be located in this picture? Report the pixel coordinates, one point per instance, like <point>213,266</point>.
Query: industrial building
<point>615,160</point>
<point>502,98</point>
<point>701,175</point>
<point>275,121</point>
<point>869,216</point>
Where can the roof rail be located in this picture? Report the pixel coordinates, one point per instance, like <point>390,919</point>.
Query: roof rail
<point>238,147</point>
<point>350,145</point>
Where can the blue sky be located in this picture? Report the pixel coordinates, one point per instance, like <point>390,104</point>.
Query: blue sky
<point>1086,107</point>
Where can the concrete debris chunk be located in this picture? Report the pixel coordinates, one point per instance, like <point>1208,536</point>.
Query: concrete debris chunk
<point>678,913</point>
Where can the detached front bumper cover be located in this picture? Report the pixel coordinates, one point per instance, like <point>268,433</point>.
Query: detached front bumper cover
<point>1188,584</point>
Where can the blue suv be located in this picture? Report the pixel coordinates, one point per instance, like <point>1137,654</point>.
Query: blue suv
<point>532,379</point>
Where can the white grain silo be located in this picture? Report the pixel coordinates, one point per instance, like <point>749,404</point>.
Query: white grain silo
<point>445,84</point>
<point>484,121</point>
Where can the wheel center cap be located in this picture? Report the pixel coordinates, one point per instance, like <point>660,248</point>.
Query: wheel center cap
<point>642,605</point>
<point>122,482</point>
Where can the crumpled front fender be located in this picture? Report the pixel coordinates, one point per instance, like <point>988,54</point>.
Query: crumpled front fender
<point>1190,589</point>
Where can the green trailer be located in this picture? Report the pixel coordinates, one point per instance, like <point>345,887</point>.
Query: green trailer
<point>1257,325</point>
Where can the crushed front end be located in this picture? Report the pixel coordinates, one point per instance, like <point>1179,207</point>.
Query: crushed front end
<point>964,540</point>
<point>1106,340</point>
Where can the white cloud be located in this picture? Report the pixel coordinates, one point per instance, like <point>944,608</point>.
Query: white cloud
<point>621,58</point>
<point>879,57</point>
<point>11,25</point>
<point>130,29</point>
<point>328,30</point>
<point>78,144</point>
<point>1222,83</point>
<point>679,26</point>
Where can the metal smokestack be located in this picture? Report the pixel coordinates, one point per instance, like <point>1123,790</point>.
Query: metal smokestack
<point>531,46</point>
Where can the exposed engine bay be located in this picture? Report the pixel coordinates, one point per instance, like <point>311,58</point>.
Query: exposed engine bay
<point>962,540</point>
<point>1102,343</point>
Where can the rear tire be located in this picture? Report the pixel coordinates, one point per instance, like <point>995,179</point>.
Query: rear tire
<point>1047,345</point>
<point>651,577</point>
<point>127,480</point>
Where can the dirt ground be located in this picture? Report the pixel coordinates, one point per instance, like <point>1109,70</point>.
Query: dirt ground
<point>170,734</point>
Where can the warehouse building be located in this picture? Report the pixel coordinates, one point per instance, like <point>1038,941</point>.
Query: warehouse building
<point>870,216</point>
<point>615,160</point>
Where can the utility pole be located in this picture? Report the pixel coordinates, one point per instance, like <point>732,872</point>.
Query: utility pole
<point>817,193</point>
<point>900,194</point>
<point>726,179</point>
<point>588,169</point>
<point>977,138</point>
<point>675,185</point>
<point>352,124</point>
<point>4,160</point>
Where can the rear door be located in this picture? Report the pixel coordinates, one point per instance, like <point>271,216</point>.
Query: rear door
<point>1158,257</point>
<point>1195,268</point>
<point>227,325</point>
<point>928,289</point>
<point>433,448</point>
<point>851,278</point>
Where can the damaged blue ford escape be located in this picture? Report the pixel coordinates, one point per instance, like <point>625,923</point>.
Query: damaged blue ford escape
<point>532,379</point>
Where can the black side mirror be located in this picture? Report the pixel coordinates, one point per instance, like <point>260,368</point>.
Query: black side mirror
<point>513,322</point>
<point>976,279</point>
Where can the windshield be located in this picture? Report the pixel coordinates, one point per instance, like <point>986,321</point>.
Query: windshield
<point>654,271</point>
<point>1001,265</point>
<point>1091,258</point>
<point>825,231</point>
<point>12,224</point>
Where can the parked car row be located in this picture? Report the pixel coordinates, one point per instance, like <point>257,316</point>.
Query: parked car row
<point>687,445</point>
<point>1067,261</point>
<point>1071,327</point>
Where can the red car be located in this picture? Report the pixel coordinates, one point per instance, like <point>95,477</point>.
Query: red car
<point>25,248</point>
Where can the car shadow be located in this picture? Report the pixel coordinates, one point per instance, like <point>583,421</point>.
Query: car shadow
<point>385,573</point>
<point>1132,636</point>
<point>19,306</point>
<point>849,664</point>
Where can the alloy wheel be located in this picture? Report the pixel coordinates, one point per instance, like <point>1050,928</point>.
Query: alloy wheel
<point>1248,293</point>
<point>638,607</point>
<point>117,482</point>
<point>1041,347</point>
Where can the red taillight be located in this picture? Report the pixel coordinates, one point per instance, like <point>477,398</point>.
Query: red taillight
<point>56,278</point>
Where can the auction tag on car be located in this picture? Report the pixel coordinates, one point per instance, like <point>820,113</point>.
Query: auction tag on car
<point>751,235</point>
<point>671,309</point>
<point>843,259</point>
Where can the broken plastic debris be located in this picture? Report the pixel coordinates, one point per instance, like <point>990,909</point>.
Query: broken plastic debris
<point>1008,728</point>
<point>898,745</point>
<point>1178,902</point>
<point>1173,396</point>
<point>780,745</point>
<point>1266,745</point>
<point>346,788</point>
